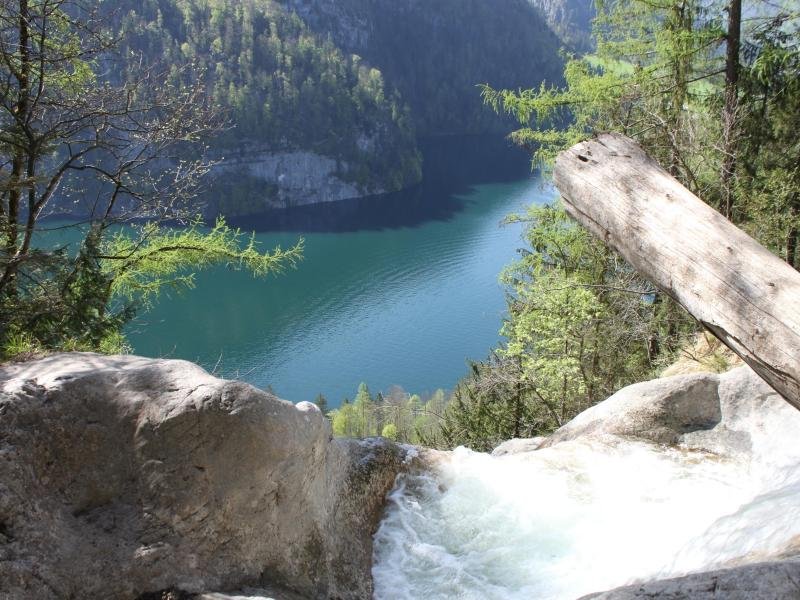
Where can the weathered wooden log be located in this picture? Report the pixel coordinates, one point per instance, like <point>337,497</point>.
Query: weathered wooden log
<point>745,295</point>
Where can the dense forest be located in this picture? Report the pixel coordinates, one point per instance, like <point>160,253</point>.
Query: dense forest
<point>717,102</point>
<point>354,81</point>
<point>435,53</point>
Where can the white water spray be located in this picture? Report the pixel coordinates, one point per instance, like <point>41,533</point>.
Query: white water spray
<point>583,516</point>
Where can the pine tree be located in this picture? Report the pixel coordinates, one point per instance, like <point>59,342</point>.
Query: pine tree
<point>363,407</point>
<point>322,404</point>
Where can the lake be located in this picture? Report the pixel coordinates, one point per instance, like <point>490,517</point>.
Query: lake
<point>394,290</point>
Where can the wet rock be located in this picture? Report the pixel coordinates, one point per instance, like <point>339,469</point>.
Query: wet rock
<point>518,445</point>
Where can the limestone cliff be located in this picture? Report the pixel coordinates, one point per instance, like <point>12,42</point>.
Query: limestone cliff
<point>255,180</point>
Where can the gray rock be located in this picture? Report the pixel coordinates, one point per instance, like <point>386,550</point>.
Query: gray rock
<point>754,419</point>
<point>124,475</point>
<point>659,411</point>
<point>734,413</point>
<point>518,446</point>
<point>300,177</point>
<point>779,580</point>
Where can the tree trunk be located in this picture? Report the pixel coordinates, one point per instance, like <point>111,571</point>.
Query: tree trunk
<point>679,23</point>
<point>745,295</point>
<point>729,115</point>
<point>22,74</point>
<point>791,237</point>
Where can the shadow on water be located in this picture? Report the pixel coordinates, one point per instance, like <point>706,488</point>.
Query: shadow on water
<point>452,166</point>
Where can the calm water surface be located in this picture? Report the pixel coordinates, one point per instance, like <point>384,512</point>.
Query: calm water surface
<point>394,290</point>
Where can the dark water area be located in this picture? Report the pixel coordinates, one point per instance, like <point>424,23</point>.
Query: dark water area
<point>399,289</point>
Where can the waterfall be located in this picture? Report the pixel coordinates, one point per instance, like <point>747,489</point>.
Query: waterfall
<point>582,516</point>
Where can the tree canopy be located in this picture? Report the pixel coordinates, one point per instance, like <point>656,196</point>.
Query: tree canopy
<point>119,147</point>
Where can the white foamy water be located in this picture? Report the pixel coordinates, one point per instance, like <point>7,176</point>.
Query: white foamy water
<point>584,516</point>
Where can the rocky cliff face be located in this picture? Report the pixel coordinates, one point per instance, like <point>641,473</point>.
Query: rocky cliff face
<point>121,476</point>
<point>256,180</point>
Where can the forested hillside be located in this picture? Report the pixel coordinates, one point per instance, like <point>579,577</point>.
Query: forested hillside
<point>285,88</point>
<point>435,53</point>
<point>327,99</point>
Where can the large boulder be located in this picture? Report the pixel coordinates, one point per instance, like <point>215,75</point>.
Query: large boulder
<point>659,411</point>
<point>121,476</point>
<point>731,413</point>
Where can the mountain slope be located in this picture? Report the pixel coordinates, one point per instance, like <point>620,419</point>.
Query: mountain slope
<point>328,97</point>
<point>570,20</point>
<point>435,53</point>
<point>299,106</point>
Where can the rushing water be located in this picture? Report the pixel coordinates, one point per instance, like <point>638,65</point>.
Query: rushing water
<point>401,289</point>
<point>580,517</point>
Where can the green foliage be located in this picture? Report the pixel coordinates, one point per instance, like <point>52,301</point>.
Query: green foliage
<point>322,404</point>
<point>435,53</point>
<point>363,412</point>
<point>83,299</point>
<point>647,79</point>
<point>768,182</point>
<point>343,421</point>
<point>67,309</point>
<point>395,415</point>
<point>389,431</point>
<point>140,261</point>
<point>487,407</point>
<point>581,323</point>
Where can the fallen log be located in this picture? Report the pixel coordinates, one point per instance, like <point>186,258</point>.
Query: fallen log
<point>738,290</point>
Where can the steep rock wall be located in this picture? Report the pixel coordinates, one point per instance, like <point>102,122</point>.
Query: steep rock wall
<point>257,180</point>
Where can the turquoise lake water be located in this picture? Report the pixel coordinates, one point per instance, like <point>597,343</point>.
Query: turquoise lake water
<point>395,290</point>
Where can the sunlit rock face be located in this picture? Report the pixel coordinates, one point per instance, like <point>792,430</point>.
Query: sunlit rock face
<point>124,475</point>
<point>665,478</point>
